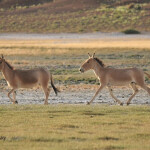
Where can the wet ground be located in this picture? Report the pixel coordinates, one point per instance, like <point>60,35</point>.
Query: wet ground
<point>76,95</point>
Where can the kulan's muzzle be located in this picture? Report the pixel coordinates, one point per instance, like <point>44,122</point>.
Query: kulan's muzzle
<point>81,70</point>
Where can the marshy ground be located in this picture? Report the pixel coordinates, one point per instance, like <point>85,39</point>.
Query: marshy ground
<point>63,58</point>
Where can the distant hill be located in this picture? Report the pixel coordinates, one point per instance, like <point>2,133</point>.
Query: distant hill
<point>6,4</point>
<point>74,15</point>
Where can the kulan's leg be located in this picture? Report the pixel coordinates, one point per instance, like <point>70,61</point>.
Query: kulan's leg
<point>12,100</point>
<point>135,91</point>
<point>145,87</point>
<point>14,96</point>
<point>46,92</point>
<point>141,83</point>
<point>117,100</point>
<point>100,88</point>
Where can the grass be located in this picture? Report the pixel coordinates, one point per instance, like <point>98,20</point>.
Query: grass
<point>74,127</point>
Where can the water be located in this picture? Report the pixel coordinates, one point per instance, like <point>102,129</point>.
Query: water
<point>77,36</point>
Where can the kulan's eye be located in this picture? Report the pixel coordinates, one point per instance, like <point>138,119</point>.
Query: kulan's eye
<point>87,61</point>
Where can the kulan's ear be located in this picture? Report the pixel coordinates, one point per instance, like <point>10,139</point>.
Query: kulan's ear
<point>89,55</point>
<point>93,55</point>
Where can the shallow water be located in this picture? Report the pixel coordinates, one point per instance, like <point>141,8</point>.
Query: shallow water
<point>96,35</point>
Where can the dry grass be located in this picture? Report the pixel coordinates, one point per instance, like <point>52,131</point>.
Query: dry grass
<point>107,43</point>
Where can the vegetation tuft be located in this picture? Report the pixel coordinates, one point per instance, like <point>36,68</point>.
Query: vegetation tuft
<point>131,31</point>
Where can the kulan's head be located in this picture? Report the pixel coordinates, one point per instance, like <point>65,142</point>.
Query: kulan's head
<point>90,63</point>
<point>2,60</point>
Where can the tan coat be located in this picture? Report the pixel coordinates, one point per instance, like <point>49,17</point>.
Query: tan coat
<point>26,79</point>
<point>115,77</point>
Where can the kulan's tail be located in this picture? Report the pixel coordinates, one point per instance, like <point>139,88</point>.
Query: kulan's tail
<point>53,86</point>
<point>147,74</point>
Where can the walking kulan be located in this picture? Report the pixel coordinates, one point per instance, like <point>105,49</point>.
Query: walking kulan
<point>26,79</point>
<point>110,77</point>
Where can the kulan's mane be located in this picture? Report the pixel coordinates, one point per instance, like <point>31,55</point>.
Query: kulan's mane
<point>100,62</point>
<point>10,66</point>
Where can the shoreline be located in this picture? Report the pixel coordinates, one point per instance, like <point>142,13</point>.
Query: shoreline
<point>95,35</point>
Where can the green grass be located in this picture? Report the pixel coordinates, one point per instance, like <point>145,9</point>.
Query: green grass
<point>74,127</point>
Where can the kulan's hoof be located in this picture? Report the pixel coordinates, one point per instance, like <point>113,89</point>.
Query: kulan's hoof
<point>128,104</point>
<point>88,103</point>
<point>16,102</point>
<point>121,104</point>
